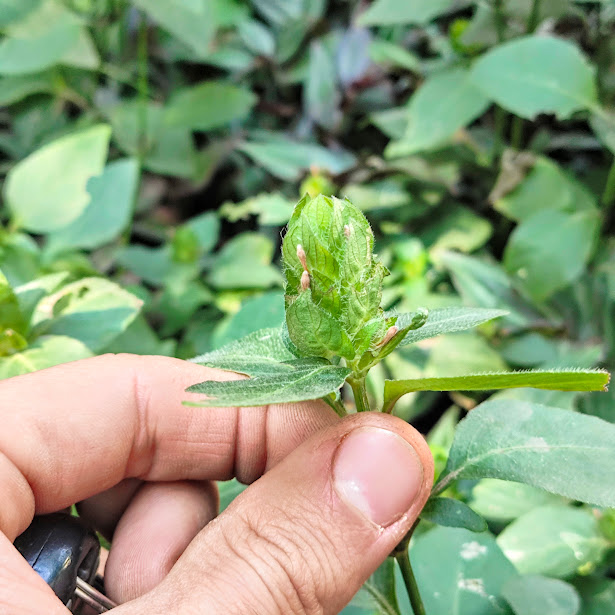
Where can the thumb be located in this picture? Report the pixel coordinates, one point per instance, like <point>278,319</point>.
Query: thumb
<point>305,536</point>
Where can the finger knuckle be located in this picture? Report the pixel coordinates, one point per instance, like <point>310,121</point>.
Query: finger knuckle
<point>295,561</point>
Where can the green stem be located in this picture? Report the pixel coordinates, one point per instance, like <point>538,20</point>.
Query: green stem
<point>516,132</point>
<point>500,23</point>
<point>412,588</point>
<point>142,86</point>
<point>608,196</point>
<point>336,404</point>
<point>499,118</point>
<point>359,391</point>
<point>532,21</point>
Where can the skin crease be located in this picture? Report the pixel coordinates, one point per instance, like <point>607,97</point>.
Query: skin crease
<point>111,433</point>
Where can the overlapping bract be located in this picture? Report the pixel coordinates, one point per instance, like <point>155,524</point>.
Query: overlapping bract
<point>334,308</point>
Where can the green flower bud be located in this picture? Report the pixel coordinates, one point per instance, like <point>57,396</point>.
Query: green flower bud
<point>333,280</point>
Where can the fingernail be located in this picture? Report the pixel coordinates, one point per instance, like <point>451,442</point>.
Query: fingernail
<point>377,472</point>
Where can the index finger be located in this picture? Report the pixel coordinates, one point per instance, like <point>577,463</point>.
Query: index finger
<point>77,429</point>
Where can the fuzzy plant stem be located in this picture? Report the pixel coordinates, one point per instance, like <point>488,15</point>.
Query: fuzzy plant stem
<point>359,391</point>
<point>410,582</point>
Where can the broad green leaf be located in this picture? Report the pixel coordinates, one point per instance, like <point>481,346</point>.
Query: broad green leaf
<point>15,88</point>
<point>262,312</point>
<point>245,262</point>
<point>274,383</point>
<point>321,95</point>
<point>445,102</point>
<point>461,354</point>
<point>39,50</point>
<point>272,208</point>
<point>550,249</point>
<point>554,380</point>
<point>459,229</point>
<point>168,150</point>
<point>46,351</point>
<point>447,320</point>
<point>563,452</point>
<point>208,105</point>
<point>48,190</point>
<point>536,595</point>
<point>16,10</point>
<point>206,228</point>
<point>452,513</point>
<point>256,37</point>
<point>382,51</point>
<point>287,159</point>
<point>544,187</point>
<point>257,352</point>
<point>377,596</point>
<point>485,284</point>
<point>140,338</point>
<point>92,310</point>
<point>108,212</point>
<point>11,316</point>
<point>31,293</point>
<point>352,55</point>
<point>395,12</point>
<point>537,74</point>
<point>553,540</point>
<point>459,572</point>
<point>191,21</point>
<point>504,501</point>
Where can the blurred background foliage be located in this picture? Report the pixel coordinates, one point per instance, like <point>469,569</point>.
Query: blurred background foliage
<point>151,153</point>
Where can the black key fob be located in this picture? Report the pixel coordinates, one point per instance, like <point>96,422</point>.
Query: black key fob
<point>61,548</point>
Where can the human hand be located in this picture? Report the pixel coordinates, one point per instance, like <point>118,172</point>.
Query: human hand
<point>111,433</point>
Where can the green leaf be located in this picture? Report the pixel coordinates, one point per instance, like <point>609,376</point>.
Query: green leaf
<point>191,21</point>
<point>382,51</point>
<point>272,209</point>
<point>452,513</point>
<point>208,105</point>
<point>545,187</point>
<point>536,595</point>
<point>321,95</point>
<point>39,50</point>
<point>245,262</point>
<point>504,501</point>
<point>447,320</point>
<point>459,572</point>
<point>108,212</point>
<point>15,88</point>
<point>46,351</point>
<point>257,352</point>
<point>92,310</point>
<point>446,102</point>
<point>48,190</point>
<point>550,249</point>
<point>557,450</point>
<point>274,383</point>
<point>168,150</point>
<point>16,10</point>
<point>31,293</point>
<point>377,596</point>
<point>553,540</point>
<point>552,380</point>
<point>537,74</point>
<point>287,159</point>
<point>262,312</point>
<point>395,12</point>
<point>11,316</point>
